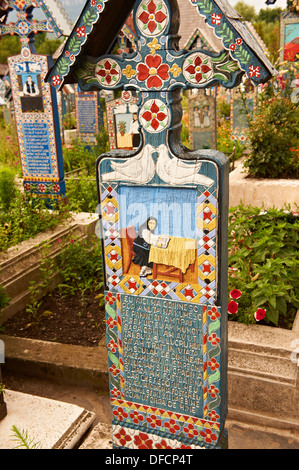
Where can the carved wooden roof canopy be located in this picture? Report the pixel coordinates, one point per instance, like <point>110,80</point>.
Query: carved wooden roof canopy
<point>101,20</point>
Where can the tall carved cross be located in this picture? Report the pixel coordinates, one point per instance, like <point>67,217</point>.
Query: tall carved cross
<point>166,328</point>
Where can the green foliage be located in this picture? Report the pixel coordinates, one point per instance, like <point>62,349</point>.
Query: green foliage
<point>28,215</point>
<point>274,133</point>
<point>69,121</point>
<point>247,12</point>
<point>10,45</point>
<point>46,45</point>
<point>79,156</point>
<point>22,437</point>
<point>4,299</point>
<point>82,194</point>
<point>263,263</point>
<point>80,266</point>
<point>9,147</point>
<point>7,187</point>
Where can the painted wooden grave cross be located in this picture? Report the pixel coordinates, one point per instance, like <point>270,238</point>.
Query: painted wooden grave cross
<point>35,102</point>
<point>164,228</point>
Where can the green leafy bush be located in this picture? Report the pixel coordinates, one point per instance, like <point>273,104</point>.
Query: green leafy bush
<point>27,216</point>
<point>263,265</point>
<point>274,133</point>
<point>82,194</point>
<point>7,187</point>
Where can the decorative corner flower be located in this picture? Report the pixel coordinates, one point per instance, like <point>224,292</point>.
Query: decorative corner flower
<point>175,70</point>
<point>129,72</point>
<point>27,186</point>
<point>233,307</point>
<point>108,72</point>
<point>154,46</point>
<point>260,314</point>
<point>235,294</point>
<point>56,188</point>
<point>153,71</point>
<point>110,298</point>
<point>199,68</point>
<point>152,16</point>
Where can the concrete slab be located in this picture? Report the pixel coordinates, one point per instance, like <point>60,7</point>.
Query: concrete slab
<point>50,424</point>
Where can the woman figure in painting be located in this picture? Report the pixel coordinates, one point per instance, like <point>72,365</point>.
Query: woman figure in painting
<point>142,244</point>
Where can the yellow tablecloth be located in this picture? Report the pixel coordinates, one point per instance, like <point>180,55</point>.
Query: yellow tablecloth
<point>180,253</point>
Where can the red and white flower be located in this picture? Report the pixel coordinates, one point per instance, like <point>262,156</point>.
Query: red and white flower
<point>154,116</point>
<point>233,307</point>
<point>80,31</point>
<point>42,188</point>
<point>153,71</point>
<point>260,314</point>
<point>142,441</point>
<point>108,72</point>
<point>254,71</point>
<point>152,18</point>
<point>56,188</point>
<point>197,68</point>
<point>216,19</point>
<point>235,294</point>
<point>123,437</point>
<point>56,80</point>
<point>27,186</point>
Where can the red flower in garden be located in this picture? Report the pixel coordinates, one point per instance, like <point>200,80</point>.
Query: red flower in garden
<point>154,116</point>
<point>198,69</point>
<point>153,71</point>
<point>233,307</point>
<point>152,17</point>
<point>123,437</point>
<point>235,294</point>
<point>108,71</point>
<point>142,441</point>
<point>260,314</point>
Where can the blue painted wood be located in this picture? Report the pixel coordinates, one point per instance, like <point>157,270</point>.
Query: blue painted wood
<point>166,311</point>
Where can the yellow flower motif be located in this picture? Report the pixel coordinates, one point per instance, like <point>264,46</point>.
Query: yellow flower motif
<point>175,70</point>
<point>154,46</point>
<point>129,72</point>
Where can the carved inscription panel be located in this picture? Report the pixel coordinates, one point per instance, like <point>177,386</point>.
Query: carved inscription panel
<point>162,352</point>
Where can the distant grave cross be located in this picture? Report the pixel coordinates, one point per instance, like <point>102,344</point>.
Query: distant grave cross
<point>25,27</point>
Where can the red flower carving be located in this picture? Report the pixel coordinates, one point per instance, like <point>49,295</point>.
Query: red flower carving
<point>80,32</point>
<point>108,71</point>
<point>154,421</point>
<point>154,116</point>
<point>142,441</point>
<point>123,437</point>
<point>151,17</point>
<point>191,431</point>
<point>153,71</point>
<point>198,69</point>
<point>172,426</point>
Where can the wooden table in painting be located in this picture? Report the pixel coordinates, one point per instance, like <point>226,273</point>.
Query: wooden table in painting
<point>178,256</point>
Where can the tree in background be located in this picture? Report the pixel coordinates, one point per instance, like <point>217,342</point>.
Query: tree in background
<point>44,44</point>
<point>266,24</point>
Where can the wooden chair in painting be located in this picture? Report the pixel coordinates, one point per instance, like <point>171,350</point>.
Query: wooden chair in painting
<point>130,233</point>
